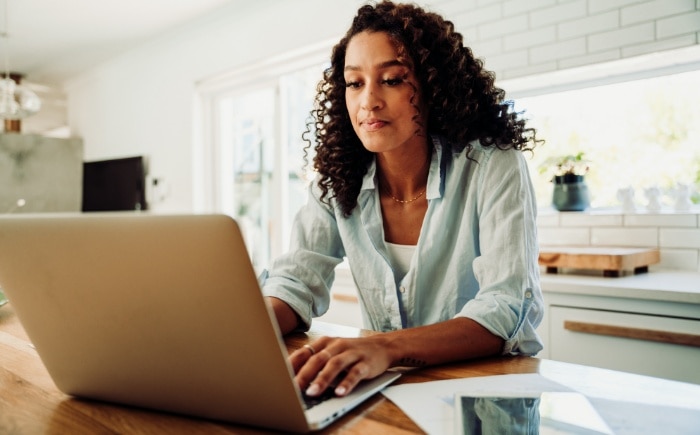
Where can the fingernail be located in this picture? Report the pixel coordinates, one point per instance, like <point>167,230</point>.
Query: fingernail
<point>313,390</point>
<point>340,391</point>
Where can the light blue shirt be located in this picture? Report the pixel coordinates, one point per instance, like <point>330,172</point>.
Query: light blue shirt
<point>476,255</point>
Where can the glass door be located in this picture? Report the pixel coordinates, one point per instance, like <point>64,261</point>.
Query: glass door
<point>256,158</point>
<point>247,139</point>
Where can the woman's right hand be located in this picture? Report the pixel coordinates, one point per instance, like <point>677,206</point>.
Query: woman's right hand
<point>342,362</point>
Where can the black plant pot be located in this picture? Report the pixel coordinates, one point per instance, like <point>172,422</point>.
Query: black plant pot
<point>570,193</point>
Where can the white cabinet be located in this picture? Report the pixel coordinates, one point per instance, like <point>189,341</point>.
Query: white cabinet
<point>639,343</point>
<point>648,324</point>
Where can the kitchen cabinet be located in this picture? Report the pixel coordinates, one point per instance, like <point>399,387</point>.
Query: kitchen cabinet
<point>647,324</point>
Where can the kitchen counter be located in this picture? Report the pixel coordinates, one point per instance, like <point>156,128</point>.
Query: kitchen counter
<point>656,285</point>
<point>647,323</point>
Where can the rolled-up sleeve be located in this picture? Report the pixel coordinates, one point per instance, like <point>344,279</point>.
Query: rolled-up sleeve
<point>509,300</point>
<point>303,276</point>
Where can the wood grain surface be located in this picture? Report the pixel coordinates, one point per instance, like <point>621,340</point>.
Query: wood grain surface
<point>31,404</point>
<point>597,257</point>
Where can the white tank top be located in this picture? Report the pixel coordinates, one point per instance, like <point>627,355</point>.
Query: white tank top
<point>400,257</point>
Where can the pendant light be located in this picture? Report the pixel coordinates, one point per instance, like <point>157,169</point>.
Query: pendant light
<point>16,101</point>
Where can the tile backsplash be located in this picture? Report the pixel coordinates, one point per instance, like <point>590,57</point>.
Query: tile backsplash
<point>677,235</point>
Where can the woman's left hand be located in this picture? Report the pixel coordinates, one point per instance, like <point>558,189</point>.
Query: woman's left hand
<point>318,364</point>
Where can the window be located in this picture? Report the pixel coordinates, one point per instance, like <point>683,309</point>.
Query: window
<point>639,126</point>
<point>251,159</point>
<point>641,132</point>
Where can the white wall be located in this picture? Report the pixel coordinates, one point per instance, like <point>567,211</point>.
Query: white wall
<point>142,102</point>
<point>519,38</point>
<point>676,235</point>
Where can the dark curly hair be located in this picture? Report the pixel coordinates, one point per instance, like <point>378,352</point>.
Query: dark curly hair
<point>462,102</point>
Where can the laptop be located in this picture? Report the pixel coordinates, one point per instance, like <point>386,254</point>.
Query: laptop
<point>160,312</point>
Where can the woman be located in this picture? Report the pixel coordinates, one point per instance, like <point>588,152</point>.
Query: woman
<point>422,185</point>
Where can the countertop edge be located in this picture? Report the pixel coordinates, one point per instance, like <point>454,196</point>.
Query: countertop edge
<point>659,285</point>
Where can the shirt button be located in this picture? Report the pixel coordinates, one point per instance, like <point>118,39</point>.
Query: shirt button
<point>528,294</point>
<point>402,289</point>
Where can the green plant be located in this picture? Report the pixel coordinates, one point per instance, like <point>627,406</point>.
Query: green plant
<point>570,164</point>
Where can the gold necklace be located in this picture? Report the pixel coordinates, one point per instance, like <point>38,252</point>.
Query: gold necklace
<point>404,201</point>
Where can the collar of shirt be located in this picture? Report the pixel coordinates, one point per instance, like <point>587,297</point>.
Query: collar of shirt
<point>436,175</point>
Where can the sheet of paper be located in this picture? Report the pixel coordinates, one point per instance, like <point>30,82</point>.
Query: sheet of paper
<point>431,404</point>
<point>642,418</point>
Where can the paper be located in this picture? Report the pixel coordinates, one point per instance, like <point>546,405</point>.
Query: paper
<point>431,404</point>
<point>643,418</point>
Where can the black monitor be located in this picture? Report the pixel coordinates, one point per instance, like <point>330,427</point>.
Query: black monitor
<point>114,185</point>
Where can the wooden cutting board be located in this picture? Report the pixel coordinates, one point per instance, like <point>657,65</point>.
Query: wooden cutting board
<point>610,259</point>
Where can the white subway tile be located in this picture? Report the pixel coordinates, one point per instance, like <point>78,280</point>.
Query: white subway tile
<point>641,237</point>
<point>540,68</point>
<point>530,38</point>
<point>557,14</point>
<point>679,238</point>
<point>497,72</point>
<point>621,37</point>
<point>659,45</point>
<point>560,50</point>
<point>547,220</point>
<point>450,8</point>
<point>589,25</point>
<point>503,27</point>
<point>678,25</point>
<point>590,220</point>
<point>595,6</point>
<point>515,7</point>
<point>653,10</point>
<point>476,16</point>
<point>683,259</point>
<point>601,56</point>
<point>563,236</point>
<point>507,60</point>
<point>492,47</point>
<point>469,34</point>
<point>660,220</point>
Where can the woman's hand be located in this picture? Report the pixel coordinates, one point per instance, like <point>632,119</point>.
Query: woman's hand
<point>318,364</point>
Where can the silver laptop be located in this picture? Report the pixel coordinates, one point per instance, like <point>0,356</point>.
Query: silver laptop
<point>161,312</point>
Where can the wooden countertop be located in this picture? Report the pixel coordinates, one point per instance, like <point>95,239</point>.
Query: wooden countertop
<point>31,404</point>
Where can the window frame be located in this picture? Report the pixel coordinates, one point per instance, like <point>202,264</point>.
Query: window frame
<point>646,66</point>
<point>207,152</point>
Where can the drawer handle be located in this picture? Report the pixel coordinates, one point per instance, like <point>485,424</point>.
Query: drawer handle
<point>637,333</point>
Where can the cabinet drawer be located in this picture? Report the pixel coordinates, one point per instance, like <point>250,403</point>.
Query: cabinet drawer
<point>659,346</point>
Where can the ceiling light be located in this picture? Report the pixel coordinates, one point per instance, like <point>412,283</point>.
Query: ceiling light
<point>16,101</point>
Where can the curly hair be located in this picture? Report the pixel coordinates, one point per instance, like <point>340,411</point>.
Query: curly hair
<point>462,101</point>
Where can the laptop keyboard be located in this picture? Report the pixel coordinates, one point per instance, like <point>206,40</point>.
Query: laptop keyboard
<point>311,401</point>
<point>328,393</point>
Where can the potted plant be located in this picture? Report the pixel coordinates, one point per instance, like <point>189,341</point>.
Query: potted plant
<point>568,176</point>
